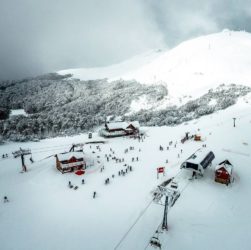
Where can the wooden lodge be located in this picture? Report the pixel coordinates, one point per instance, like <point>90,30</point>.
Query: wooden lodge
<point>115,129</point>
<point>70,162</point>
<point>224,172</point>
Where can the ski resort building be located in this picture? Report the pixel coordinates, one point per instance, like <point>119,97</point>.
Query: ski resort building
<point>223,172</point>
<point>69,162</point>
<point>197,137</point>
<point>199,161</point>
<point>115,129</point>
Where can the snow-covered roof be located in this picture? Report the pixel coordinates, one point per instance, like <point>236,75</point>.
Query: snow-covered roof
<point>198,156</point>
<point>135,124</point>
<point>117,125</point>
<point>69,155</point>
<point>122,125</point>
<point>18,112</point>
<point>225,164</point>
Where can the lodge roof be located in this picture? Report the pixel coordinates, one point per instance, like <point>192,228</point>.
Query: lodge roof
<point>226,165</point>
<point>69,155</point>
<point>198,156</point>
<point>122,125</point>
<point>117,125</point>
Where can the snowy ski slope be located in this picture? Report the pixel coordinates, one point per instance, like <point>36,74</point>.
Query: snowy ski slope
<point>190,69</point>
<point>43,213</point>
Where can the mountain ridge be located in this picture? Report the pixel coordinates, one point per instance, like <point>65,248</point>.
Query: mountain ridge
<point>202,63</point>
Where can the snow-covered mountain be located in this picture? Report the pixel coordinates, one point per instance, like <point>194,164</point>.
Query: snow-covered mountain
<point>114,71</point>
<point>192,68</point>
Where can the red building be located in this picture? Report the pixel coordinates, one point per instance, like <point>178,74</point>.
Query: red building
<point>69,162</point>
<point>223,172</point>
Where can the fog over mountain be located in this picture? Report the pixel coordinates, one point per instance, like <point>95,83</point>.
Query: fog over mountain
<point>45,36</point>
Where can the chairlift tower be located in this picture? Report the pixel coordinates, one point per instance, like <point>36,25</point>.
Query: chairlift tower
<point>72,149</point>
<point>234,119</point>
<point>164,222</point>
<point>21,153</point>
<point>171,196</point>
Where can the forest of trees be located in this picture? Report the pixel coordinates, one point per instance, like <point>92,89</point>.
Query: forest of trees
<point>60,105</point>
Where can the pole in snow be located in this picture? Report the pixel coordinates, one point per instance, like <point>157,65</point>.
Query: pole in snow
<point>23,163</point>
<point>234,121</point>
<point>164,223</point>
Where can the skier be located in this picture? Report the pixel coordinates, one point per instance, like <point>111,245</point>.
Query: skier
<point>69,184</point>
<point>83,181</point>
<point>194,175</point>
<point>94,194</point>
<point>5,199</point>
<point>31,160</point>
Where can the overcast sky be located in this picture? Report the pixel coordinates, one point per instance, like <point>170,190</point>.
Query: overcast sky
<point>38,36</point>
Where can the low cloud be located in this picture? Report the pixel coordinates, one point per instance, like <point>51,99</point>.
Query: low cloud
<point>44,36</point>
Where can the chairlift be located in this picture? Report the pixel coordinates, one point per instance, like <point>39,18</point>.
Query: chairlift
<point>21,152</point>
<point>157,196</point>
<point>175,196</point>
<point>174,185</point>
<point>155,242</point>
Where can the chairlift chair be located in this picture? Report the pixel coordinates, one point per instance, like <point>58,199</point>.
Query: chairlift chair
<point>174,185</point>
<point>155,242</point>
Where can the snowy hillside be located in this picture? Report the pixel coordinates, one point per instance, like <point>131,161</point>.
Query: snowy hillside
<point>197,65</point>
<point>114,71</point>
<point>202,63</point>
<point>157,88</point>
<point>44,213</point>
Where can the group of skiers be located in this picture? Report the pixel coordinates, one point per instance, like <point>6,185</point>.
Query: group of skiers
<point>5,155</point>
<point>76,187</point>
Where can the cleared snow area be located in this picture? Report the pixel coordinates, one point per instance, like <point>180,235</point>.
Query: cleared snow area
<point>18,112</point>
<point>43,213</point>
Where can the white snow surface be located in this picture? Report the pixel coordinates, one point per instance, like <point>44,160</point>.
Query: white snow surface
<point>115,71</point>
<point>190,69</point>
<point>18,112</point>
<point>199,64</point>
<point>43,213</point>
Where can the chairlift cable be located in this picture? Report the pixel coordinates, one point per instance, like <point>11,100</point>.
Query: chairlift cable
<point>135,222</point>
